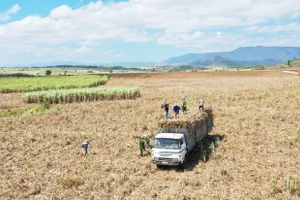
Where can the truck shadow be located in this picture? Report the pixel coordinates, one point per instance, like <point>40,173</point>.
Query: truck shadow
<point>202,152</point>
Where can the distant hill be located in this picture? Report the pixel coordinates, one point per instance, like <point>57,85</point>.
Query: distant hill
<point>295,63</point>
<point>242,56</point>
<point>207,60</point>
<point>224,64</point>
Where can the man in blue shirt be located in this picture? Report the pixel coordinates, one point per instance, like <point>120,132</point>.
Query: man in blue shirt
<point>176,109</point>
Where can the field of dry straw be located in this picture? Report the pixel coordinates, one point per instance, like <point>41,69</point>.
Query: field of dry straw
<point>256,156</point>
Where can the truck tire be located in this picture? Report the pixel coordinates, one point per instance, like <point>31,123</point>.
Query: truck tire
<point>203,154</point>
<point>182,165</point>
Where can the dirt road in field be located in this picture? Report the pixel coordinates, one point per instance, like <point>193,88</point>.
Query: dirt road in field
<point>291,72</point>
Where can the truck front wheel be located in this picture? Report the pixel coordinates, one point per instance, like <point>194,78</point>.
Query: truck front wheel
<point>159,166</point>
<point>182,165</point>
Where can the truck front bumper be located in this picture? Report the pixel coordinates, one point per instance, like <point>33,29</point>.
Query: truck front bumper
<point>172,163</point>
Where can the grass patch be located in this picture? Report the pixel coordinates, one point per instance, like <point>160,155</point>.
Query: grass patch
<point>35,109</point>
<point>293,185</point>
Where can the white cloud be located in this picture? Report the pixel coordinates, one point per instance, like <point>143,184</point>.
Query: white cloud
<point>61,12</point>
<point>291,27</point>
<point>14,9</point>
<point>205,25</point>
<point>6,15</point>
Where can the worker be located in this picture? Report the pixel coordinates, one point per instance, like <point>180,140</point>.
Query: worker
<point>85,146</point>
<point>201,104</point>
<point>176,109</point>
<point>142,144</point>
<point>184,105</point>
<point>166,107</point>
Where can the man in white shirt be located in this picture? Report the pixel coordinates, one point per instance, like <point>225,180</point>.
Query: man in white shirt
<point>201,104</point>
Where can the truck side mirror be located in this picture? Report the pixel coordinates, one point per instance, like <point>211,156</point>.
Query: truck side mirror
<point>181,142</point>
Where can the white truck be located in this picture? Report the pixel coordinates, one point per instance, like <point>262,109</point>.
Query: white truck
<point>177,137</point>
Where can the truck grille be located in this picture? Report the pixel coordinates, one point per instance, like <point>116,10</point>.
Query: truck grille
<point>164,159</point>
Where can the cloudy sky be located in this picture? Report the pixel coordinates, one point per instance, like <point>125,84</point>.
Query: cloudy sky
<point>88,31</point>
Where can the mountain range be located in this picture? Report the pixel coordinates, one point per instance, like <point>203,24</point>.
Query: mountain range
<point>243,56</point>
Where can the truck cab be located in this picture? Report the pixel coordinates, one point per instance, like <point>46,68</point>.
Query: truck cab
<point>169,149</point>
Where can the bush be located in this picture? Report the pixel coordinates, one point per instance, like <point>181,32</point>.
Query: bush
<point>48,72</point>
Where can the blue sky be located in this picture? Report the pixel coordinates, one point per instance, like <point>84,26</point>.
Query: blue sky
<point>91,31</point>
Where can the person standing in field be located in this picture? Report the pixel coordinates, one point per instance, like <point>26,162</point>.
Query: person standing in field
<point>176,109</point>
<point>184,105</point>
<point>201,104</point>
<point>165,105</point>
<point>85,146</point>
<point>144,142</point>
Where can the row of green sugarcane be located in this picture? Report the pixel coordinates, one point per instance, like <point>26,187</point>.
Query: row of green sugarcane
<point>79,95</point>
<point>26,84</point>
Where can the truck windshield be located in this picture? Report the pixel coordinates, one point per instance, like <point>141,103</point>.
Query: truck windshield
<point>163,143</point>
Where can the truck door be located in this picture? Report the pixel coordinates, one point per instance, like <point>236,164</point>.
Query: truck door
<point>183,147</point>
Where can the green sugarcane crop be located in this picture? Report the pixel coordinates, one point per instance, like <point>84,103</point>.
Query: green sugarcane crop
<point>78,95</point>
<point>27,84</point>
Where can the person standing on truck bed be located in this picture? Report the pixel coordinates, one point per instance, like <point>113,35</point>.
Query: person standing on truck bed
<point>184,105</point>
<point>166,107</point>
<point>176,109</point>
<point>201,104</point>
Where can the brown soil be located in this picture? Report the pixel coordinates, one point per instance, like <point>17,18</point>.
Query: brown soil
<point>256,149</point>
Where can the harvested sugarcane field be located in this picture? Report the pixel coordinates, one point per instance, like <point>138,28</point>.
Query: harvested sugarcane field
<point>252,151</point>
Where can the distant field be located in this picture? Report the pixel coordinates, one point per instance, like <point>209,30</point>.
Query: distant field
<point>24,84</point>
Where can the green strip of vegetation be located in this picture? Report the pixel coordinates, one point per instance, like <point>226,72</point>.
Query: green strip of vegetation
<point>26,84</point>
<point>35,109</point>
<point>16,75</point>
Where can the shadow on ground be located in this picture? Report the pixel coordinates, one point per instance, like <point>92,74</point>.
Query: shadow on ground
<point>201,152</point>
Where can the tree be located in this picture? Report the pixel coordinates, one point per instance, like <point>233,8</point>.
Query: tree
<point>48,72</point>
